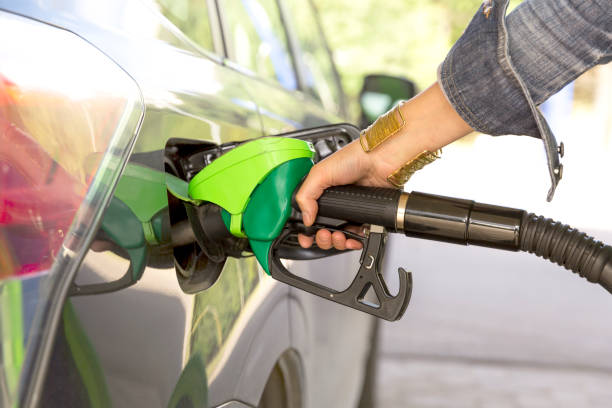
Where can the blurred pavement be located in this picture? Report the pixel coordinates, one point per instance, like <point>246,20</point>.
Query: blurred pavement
<point>493,329</point>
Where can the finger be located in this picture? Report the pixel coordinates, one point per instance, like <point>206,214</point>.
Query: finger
<point>338,240</point>
<point>356,229</point>
<point>324,239</point>
<point>353,244</point>
<point>307,196</point>
<point>305,241</point>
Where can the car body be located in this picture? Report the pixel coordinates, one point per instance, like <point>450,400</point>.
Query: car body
<point>245,341</point>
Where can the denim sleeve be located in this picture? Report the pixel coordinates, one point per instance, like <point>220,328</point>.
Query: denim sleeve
<point>503,67</point>
<point>551,42</point>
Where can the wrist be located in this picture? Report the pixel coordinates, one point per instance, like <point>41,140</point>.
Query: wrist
<point>411,140</point>
<point>423,124</point>
<point>432,120</point>
<point>430,124</point>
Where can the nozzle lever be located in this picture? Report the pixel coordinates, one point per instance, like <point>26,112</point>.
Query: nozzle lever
<point>369,276</point>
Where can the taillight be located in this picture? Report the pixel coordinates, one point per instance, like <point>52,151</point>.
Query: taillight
<point>38,200</point>
<point>61,104</point>
<point>8,91</point>
<point>68,119</point>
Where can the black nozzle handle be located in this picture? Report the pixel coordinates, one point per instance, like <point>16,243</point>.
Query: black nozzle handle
<point>423,215</point>
<point>361,205</point>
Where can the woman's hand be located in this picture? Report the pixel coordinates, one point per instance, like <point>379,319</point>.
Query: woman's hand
<point>431,123</point>
<point>350,165</point>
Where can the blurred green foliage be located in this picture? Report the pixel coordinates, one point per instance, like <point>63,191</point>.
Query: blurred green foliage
<point>191,17</point>
<point>406,37</point>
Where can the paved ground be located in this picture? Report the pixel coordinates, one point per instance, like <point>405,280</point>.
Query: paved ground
<point>495,329</point>
<point>427,383</point>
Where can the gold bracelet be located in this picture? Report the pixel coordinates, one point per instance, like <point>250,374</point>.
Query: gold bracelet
<point>400,176</point>
<point>383,128</point>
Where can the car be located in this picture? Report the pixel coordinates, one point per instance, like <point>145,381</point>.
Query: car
<point>105,299</point>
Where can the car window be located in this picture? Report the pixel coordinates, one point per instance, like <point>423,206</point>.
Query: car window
<point>191,17</point>
<point>318,70</point>
<point>256,39</point>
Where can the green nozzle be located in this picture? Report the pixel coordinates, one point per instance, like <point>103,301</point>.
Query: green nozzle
<point>270,206</point>
<point>254,184</point>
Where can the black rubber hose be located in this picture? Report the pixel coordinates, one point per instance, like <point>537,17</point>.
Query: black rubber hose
<point>567,247</point>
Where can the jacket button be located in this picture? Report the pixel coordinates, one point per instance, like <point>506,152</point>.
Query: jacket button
<point>559,171</point>
<point>487,7</point>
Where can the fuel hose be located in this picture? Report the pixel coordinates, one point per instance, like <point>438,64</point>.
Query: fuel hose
<point>467,222</point>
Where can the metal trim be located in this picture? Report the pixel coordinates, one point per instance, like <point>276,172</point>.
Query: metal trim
<point>401,211</point>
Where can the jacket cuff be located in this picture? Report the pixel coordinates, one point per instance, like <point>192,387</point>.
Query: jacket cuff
<point>474,81</point>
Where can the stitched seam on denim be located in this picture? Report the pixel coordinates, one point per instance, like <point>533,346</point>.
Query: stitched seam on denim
<point>440,82</point>
<point>504,58</point>
<point>546,134</point>
<point>458,99</point>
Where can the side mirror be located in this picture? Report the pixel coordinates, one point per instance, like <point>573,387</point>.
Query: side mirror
<point>380,93</point>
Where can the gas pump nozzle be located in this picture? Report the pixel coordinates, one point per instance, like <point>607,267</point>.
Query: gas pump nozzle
<point>254,186</point>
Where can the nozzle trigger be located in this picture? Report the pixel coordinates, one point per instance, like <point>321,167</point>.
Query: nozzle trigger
<point>369,276</point>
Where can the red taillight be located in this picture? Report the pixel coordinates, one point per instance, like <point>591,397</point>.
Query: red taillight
<point>50,146</point>
<point>56,124</point>
<point>38,201</point>
<point>68,120</point>
<point>9,93</point>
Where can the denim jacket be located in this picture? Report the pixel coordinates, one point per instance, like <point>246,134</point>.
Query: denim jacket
<point>502,68</point>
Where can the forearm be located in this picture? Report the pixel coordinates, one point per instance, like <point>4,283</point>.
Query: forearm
<point>431,123</point>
